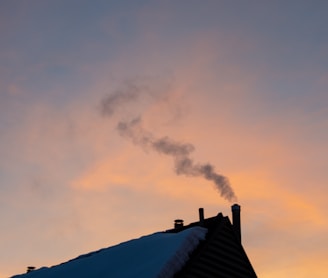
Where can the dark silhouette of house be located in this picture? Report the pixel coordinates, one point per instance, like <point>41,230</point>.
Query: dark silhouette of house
<point>221,254</point>
<point>208,248</point>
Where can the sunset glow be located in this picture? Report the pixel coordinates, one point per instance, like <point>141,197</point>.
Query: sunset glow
<point>238,85</point>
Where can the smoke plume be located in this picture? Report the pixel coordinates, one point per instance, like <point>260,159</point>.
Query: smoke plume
<point>180,152</point>
<point>120,98</point>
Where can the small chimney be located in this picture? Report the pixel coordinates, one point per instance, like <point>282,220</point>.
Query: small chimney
<point>236,220</point>
<point>178,223</point>
<point>201,216</point>
<point>30,268</point>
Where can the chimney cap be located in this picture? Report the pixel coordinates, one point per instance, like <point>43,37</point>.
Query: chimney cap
<point>178,220</point>
<point>235,207</point>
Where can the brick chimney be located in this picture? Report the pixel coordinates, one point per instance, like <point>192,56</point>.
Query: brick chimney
<point>236,220</point>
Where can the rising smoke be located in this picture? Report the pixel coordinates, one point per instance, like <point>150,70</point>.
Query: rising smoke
<point>180,152</point>
<point>119,98</point>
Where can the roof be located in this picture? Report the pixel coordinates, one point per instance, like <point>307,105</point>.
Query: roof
<point>156,255</point>
<point>208,248</point>
<point>221,255</point>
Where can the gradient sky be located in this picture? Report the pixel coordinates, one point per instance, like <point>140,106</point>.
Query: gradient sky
<point>245,82</point>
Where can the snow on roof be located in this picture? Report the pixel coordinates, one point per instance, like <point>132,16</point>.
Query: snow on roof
<point>157,255</point>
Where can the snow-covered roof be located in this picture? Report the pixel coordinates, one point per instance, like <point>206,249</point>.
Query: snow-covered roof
<point>157,255</point>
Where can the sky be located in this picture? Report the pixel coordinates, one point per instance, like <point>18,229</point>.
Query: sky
<point>89,90</point>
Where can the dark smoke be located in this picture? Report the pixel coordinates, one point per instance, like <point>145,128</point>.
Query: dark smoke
<point>180,152</point>
<point>114,101</point>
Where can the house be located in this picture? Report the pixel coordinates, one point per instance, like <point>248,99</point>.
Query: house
<point>221,254</point>
<point>207,248</point>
